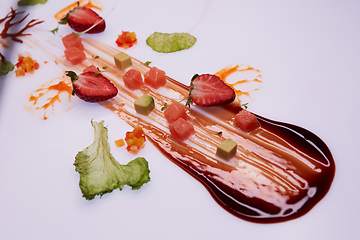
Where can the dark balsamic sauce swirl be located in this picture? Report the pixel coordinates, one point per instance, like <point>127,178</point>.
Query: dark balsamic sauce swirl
<point>281,171</point>
<point>253,209</point>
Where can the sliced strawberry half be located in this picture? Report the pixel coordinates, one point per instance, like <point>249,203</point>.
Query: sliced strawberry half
<point>83,19</point>
<point>92,87</point>
<point>209,90</point>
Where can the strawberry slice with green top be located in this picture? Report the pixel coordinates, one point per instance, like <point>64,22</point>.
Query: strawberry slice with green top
<point>208,90</point>
<point>92,87</point>
<point>83,19</point>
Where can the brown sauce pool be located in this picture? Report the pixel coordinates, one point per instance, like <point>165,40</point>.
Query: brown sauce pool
<point>281,171</point>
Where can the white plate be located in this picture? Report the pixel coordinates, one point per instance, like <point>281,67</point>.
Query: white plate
<point>308,55</point>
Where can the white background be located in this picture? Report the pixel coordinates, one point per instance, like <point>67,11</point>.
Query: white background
<point>308,53</point>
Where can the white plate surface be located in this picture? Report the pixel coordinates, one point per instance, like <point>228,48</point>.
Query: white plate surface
<point>308,53</point>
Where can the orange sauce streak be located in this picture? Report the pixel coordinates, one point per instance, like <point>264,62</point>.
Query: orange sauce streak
<point>225,72</point>
<point>60,87</point>
<point>62,13</point>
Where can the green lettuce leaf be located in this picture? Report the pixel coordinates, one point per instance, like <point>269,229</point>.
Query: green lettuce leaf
<point>30,2</point>
<point>167,43</point>
<point>5,67</point>
<point>100,173</point>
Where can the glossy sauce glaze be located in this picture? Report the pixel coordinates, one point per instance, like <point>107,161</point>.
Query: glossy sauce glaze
<point>279,173</point>
<point>278,183</point>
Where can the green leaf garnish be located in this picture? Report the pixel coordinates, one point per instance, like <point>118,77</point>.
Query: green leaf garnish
<point>55,30</point>
<point>73,77</point>
<point>245,105</point>
<point>164,107</point>
<point>99,171</point>
<point>100,71</point>
<point>64,20</point>
<point>30,2</point>
<point>5,66</point>
<point>147,63</point>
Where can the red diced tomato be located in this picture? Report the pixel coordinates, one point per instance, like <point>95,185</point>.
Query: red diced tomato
<point>155,78</point>
<point>71,40</point>
<point>25,65</point>
<point>133,79</point>
<point>119,142</point>
<point>126,39</point>
<point>74,55</point>
<point>181,129</point>
<point>91,68</point>
<point>135,140</point>
<point>174,112</point>
<point>246,120</point>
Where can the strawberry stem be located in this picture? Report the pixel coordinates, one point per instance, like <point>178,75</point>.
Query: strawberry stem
<point>189,100</point>
<point>64,20</point>
<point>73,77</point>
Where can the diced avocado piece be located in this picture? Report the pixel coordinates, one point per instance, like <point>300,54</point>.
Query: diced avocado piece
<point>226,149</point>
<point>122,60</point>
<point>144,105</point>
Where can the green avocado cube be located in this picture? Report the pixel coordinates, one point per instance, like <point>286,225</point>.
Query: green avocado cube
<point>226,149</point>
<point>144,105</point>
<point>122,60</point>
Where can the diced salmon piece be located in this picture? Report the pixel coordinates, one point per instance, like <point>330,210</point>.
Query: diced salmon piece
<point>71,40</point>
<point>74,55</point>
<point>155,78</point>
<point>133,79</point>
<point>246,120</point>
<point>91,68</point>
<point>181,129</point>
<point>174,112</point>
